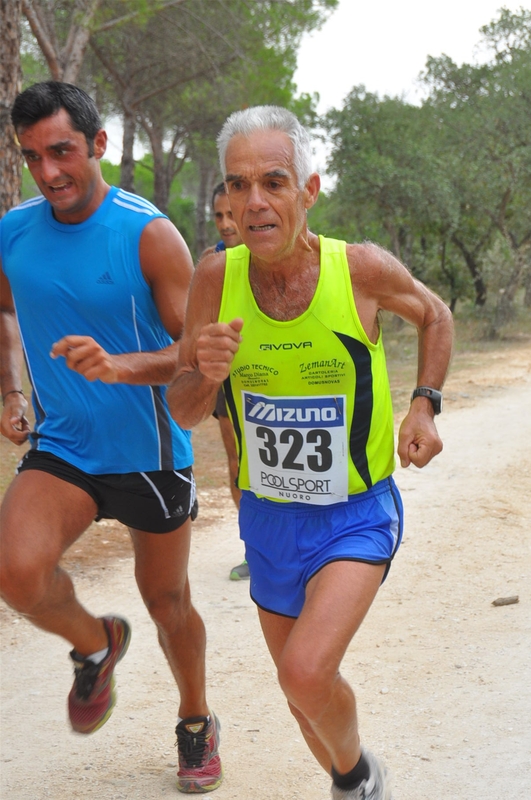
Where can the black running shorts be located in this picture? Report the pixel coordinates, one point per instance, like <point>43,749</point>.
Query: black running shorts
<point>156,502</point>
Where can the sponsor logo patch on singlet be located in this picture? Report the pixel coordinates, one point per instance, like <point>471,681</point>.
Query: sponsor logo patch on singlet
<point>297,447</point>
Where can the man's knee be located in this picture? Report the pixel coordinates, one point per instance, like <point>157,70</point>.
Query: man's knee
<point>24,580</point>
<point>168,609</point>
<point>307,684</point>
<point>41,516</point>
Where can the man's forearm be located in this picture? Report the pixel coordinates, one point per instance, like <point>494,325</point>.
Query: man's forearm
<point>151,369</point>
<point>191,398</point>
<point>86,357</point>
<point>10,353</point>
<point>435,350</point>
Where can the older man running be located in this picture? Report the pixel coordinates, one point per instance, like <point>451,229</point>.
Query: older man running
<point>288,324</point>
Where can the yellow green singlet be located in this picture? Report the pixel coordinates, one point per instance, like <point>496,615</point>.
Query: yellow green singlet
<point>309,398</point>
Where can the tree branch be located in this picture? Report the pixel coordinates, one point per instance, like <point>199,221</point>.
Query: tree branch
<point>42,35</point>
<point>199,74</point>
<point>127,17</point>
<point>76,43</point>
<point>110,69</point>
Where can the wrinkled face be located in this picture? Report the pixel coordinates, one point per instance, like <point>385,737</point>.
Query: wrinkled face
<point>268,207</point>
<point>58,159</point>
<point>225,222</point>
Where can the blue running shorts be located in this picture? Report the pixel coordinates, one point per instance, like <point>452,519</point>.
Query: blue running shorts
<point>287,543</point>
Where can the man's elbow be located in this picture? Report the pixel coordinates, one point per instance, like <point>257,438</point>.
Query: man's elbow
<point>440,317</point>
<point>446,318</point>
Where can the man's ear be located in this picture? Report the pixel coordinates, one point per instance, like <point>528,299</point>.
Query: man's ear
<point>311,190</point>
<point>100,144</point>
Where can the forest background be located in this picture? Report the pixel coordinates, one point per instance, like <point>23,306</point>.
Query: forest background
<point>445,184</point>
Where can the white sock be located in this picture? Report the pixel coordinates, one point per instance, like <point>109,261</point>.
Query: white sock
<point>98,657</point>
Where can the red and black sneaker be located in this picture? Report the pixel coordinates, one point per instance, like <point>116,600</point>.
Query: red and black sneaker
<point>93,696</point>
<point>199,763</point>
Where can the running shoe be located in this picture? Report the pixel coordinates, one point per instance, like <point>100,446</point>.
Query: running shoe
<point>199,763</point>
<point>376,787</point>
<point>93,696</point>
<point>240,572</point>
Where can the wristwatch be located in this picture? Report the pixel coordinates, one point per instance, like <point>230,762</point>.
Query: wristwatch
<point>434,395</point>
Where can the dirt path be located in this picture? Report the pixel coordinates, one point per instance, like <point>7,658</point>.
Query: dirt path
<point>442,676</point>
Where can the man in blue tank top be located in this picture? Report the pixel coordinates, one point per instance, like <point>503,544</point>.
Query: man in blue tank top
<point>319,533</point>
<point>94,287</point>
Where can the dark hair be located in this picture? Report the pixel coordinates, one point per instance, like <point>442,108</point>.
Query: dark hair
<point>219,189</point>
<point>45,99</point>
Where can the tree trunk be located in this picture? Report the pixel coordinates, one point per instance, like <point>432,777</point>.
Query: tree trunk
<point>64,64</point>
<point>504,310</point>
<point>10,84</point>
<point>206,176</point>
<point>77,41</point>
<point>527,282</point>
<point>127,166</point>
<point>471,262</point>
<point>515,278</point>
<point>160,184</point>
<point>161,188</point>
<point>395,239</point>
<point>39,21</point>
<point>450,277</point>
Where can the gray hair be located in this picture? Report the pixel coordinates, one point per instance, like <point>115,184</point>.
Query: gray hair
<point>265,118</point>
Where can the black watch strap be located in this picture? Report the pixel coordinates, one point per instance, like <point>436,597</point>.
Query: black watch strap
<point>434,395</point>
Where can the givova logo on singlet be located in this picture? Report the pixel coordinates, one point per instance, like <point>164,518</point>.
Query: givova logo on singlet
<point>302,412</point>
<point>285,345</point>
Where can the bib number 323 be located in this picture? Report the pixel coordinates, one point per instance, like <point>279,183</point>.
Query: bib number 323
<point>297,447</point>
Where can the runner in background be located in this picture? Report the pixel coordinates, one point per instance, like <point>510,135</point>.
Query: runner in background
<point>230,237</point>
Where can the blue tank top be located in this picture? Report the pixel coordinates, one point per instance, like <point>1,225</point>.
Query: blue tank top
<point>86,279</point>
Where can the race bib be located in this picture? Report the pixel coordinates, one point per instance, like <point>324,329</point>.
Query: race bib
<point>297,447</point>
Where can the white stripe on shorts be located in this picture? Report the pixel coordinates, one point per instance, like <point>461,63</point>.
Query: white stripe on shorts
<point>158,494</point>
<point>191,481</point>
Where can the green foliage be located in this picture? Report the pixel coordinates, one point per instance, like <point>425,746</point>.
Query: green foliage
<point>391,181</point>
<point>181,209</point>
<point>28,188</point>
<point>110,172</point>
<point>486,112</point>
<point>443,184</point>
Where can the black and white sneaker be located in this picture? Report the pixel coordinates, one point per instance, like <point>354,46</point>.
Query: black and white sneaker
<point>376,787</point>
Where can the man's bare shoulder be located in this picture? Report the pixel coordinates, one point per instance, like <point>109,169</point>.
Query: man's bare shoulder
<point>212,263</point>
<point>160,226</point>
<point>369,262</point>
<point>379,277</point>
<point>162,250</point>
<point>207,283</point>
<point>160,235</point>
